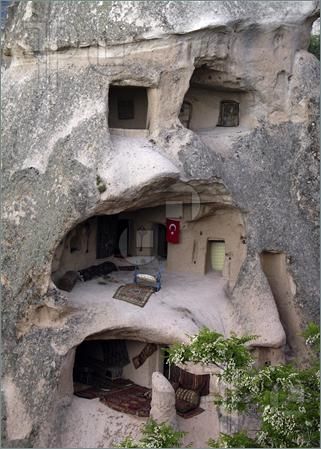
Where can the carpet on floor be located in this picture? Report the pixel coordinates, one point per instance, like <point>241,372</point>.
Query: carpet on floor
<point>134,294</point>
<point>133,400</point>
<point>89,393</point>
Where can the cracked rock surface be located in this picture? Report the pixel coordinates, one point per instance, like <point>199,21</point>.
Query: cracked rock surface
<point>60,58</point>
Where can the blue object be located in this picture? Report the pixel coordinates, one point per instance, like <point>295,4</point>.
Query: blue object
<point>156,278</point>
<point>4,11</point>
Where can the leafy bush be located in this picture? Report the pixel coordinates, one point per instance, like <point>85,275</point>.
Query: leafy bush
<point>314,46</point>
<point>286,399</point>
<point>312,337</point>
<point>209,347</point>
<point>155,435</point>
<point>239,439</point>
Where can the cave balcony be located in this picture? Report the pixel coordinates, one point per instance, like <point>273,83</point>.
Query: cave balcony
<point>185,303</point>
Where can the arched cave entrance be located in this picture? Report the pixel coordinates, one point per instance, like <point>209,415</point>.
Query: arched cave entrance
<point>106,243</point>
<point>109,385</point>
<point>210,242</point>
<point>118,372</point>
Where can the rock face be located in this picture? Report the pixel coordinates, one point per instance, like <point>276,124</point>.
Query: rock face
<point>163,400</point>
<point>60,59</point>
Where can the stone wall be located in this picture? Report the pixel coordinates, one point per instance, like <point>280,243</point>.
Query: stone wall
<point>61,58</point>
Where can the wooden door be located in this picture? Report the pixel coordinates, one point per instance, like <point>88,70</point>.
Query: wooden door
<point>229,114</point>
<point>106,236</point>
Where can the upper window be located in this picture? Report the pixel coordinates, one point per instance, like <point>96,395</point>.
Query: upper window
<point>127,107</point>
<point>229,113</point>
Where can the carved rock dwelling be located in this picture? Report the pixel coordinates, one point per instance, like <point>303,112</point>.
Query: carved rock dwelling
<point>160,174</point>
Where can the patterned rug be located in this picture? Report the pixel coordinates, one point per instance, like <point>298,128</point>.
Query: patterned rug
<point>134,400</point>
<point>97,391</point>
<point>89,393</point>
<point>134,294</point>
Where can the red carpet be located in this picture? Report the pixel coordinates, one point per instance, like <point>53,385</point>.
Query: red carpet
<point>130,400</point>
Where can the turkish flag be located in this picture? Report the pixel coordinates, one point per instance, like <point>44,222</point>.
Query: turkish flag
<point>172,231</point>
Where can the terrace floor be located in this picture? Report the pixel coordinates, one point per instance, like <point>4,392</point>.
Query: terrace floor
<point>185,303</point>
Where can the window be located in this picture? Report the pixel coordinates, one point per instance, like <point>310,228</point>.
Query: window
<point>216,255</point>
<point>229,113</point>
<point>126,110</point>
<point>127,107</point>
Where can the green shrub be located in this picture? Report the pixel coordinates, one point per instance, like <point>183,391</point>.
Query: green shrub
<point>209,347</point>
<point>314,46</point>
<point>239,439</point>
<point>101,186</point>
<point>285,398</point>
<point>155,435</point>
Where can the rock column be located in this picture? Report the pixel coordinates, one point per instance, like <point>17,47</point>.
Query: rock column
<point>163,401</point>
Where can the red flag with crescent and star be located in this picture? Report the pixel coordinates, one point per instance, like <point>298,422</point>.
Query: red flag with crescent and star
<point>172,231</point>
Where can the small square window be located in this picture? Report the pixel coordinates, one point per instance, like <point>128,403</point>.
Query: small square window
<point>229,113</point>
<point>126,110</point>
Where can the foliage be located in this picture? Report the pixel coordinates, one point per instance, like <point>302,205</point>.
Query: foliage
<point>101,186</point>
<point>286,399</point>
<point>127,442</point>
<point>239,439</point>
<point>314,46</point>
<point>312,337</point>
<point>155,435</point>
<point>209,347</point>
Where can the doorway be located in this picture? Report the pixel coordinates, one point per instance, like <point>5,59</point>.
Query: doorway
<point>216,255</point>
<point>99,362</point>
<point>106,236</point>
<point>122,238</point>
<point>161,242</point>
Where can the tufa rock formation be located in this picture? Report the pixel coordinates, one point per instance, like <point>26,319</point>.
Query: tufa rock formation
<point>163,400</point>
<point>66,159</point>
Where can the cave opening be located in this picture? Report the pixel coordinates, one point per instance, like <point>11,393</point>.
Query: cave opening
<point>275,268</point>
<point>127,107</point>
<point>112,249</point>
<point>106,243</point>
<point>118,372</point>
<point>215,100</point>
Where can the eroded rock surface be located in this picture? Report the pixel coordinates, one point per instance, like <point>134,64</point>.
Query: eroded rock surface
<point>61,58</point>
<point>163,400</point>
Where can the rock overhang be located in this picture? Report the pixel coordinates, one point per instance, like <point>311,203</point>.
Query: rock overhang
<point>262,172</point>
<point>92,23</point>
